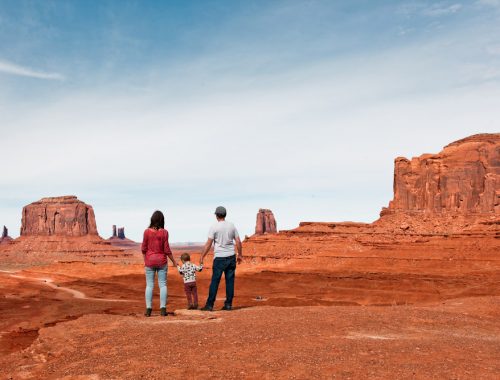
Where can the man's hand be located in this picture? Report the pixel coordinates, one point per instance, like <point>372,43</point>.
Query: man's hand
<point>239,259</point>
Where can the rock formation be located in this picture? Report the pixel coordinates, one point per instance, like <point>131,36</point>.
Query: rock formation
<point>455,193</point>
<point>265,222</point>
<point>121,233</point>
<point>5,235</point>
<point>462,179</point>
<point>114,231</point>
<point>60,216</point>
<point>60,228</point>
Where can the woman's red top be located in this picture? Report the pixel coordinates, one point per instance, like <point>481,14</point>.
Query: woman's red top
<point>155,248</point>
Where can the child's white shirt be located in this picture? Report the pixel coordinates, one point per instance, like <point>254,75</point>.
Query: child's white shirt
<point>188,270</point>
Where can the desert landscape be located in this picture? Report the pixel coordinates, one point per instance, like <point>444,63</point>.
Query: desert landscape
<point>415,294</point>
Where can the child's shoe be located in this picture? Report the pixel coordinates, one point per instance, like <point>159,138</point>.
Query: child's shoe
<point>147,313</point>
<point>163,311</point>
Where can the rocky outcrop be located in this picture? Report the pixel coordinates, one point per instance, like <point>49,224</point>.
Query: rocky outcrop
<point>114,231</point>
<point>463,179</point>
<point>265,222</point>
<point>5,235</point>
<point>445,205</point>
<point>58,216</point>
<point>121,233</point>
<point>59,228</point>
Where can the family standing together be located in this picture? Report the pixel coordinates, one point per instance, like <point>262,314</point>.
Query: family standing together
<point>156,251</point>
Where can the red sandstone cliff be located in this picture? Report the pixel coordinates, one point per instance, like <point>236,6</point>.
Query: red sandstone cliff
<point>453,193</point>
<point>266,223</point>
<point>464,178</point>
<point>63,216</point>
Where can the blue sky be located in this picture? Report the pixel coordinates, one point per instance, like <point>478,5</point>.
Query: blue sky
<point>297,106</point>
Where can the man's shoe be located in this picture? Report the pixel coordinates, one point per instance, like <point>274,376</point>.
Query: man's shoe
<point>206,308</point>
<point>227,307</point>
<point>163,311</point>
<point>147,313</point>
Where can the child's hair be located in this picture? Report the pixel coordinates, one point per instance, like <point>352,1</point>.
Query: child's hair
<point>185,257</point>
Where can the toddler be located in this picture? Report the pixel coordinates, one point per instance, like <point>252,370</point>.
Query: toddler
<point>188,270</point>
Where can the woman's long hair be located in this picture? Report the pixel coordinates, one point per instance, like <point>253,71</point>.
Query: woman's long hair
<point>157,220</point>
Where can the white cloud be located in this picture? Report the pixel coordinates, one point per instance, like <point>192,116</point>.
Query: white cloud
<point>14,69</point>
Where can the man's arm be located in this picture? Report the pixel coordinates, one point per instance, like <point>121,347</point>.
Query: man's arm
<point>239,249</point>
<point>206,248</point>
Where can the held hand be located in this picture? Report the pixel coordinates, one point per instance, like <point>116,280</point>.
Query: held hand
<point>239,259</point>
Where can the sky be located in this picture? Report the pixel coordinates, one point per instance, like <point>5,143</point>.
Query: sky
<point>181,106</point>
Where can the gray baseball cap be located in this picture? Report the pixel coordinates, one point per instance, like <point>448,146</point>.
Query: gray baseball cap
<point>221,211</point>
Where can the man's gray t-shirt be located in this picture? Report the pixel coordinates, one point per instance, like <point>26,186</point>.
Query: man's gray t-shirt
<point>223,234</point>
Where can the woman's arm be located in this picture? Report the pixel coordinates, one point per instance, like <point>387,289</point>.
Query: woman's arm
<point>168,251</point>
<point>144,246</point>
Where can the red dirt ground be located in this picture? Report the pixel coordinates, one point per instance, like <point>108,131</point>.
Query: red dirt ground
<point>384,316</point>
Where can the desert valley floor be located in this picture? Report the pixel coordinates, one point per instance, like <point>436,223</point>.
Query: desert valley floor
<point>403,318</point>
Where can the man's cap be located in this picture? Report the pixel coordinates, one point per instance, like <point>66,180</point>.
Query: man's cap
<point>221,211</point>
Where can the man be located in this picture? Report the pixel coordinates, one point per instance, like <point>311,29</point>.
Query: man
<point>223,234</point>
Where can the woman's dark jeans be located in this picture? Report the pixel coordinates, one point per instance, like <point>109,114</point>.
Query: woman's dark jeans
<point>226,265</point>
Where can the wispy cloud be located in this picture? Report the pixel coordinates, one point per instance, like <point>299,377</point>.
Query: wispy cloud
<point>492,3</point>
<point>430,10</point>
<point>437,10</point>
<point>14,69</point>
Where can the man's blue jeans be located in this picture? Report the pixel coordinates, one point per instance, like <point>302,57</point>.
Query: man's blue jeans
<point>226,265</point>
<point>162,283</point>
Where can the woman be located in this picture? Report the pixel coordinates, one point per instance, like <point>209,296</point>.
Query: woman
<point>155,249</point>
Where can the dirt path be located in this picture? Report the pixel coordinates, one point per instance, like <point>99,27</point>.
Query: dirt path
<point>75,293</point>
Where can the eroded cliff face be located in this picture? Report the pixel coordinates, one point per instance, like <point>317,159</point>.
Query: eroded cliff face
<point>59,216</point>
<point>444,205</point>
<point>463,179</point>
<point>266,223</point>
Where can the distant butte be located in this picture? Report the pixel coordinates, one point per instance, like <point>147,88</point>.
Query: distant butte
<point>266,223</point>
<point>4,238</point>
<point>57,226</point>
<point>62,216</point>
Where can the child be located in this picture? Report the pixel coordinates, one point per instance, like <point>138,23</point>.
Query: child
<point>189,270</point>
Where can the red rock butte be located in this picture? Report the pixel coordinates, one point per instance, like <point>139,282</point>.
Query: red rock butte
<point>462,179</point>
<point>265,222</point>
<point>57,228</point>
<point>61,216</point>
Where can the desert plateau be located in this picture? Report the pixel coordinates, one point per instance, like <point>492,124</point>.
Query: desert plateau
<point>415,294</point>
